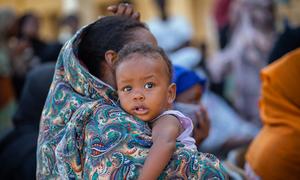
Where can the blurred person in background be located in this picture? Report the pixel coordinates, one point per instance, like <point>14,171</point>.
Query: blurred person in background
<point>190,86</point>
<point>274,153</point>
<point>189,90</point>
<point>221,17</point>
<point>287,41</point>
<point>246,54</point>
<point>28,29</point>
<point>219,131</point>
<point>68,26</point>
<point>28,50</point>
<point>228,129</point>
<point>219,134</point>
<point>18,146</point>
<point>7,102</point>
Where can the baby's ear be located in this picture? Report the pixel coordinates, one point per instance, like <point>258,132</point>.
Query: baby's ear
<point>111,57</point>
<point>171,93</point>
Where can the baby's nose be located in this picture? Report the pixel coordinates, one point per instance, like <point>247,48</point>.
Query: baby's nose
<point>139,96</point>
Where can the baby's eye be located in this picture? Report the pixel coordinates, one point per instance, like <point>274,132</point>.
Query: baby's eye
<point>126,88</point>
<point>149,85</point>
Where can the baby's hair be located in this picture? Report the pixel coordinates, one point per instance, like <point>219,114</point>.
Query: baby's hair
<point>146,50</point>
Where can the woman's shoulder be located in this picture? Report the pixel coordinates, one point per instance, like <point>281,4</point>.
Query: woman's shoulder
<point>108,110</point>
<point>106,115</point>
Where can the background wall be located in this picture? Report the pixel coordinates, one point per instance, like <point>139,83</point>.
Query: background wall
<point>198,12</point>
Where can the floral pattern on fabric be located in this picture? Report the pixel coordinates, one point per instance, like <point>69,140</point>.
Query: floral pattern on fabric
<point>84,134</point>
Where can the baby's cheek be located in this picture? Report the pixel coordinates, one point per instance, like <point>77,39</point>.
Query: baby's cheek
<point>125,103</point>
<point>122,101</point>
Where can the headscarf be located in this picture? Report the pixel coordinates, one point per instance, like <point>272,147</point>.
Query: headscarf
<point>84,134</point>
<point>275,154</point>
<point>185,79</point>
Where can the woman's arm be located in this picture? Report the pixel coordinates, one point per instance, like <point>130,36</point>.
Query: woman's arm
<point>164,133</point>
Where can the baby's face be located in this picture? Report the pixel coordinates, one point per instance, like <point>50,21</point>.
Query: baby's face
<point>143,86</point>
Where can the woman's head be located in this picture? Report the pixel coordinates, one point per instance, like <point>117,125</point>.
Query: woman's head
<point>144,80</point>
<point>104,38</point>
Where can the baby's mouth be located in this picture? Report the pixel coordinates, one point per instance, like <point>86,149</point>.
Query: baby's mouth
<point>140,110</point>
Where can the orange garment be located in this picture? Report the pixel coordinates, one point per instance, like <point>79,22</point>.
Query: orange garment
<point>275,152</point>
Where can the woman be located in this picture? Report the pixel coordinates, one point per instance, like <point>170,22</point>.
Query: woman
<point>83,132</point>
<point>246,54</point>
<point>30,50</point>
<point>278,142</point>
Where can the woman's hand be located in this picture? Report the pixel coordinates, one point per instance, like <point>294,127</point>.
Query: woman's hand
<point>202,126</point>
<point>124,9</point>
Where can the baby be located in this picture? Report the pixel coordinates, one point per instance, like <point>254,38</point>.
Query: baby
<point>145,89</point>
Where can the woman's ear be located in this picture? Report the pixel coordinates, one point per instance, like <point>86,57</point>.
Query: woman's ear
<point>171,93</point>
<point>110,58</point>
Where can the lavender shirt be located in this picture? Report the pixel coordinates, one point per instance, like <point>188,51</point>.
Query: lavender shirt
<point>187,124</point>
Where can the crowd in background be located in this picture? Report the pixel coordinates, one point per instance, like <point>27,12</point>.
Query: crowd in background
<point>228,84</point>
<point>27,68</point>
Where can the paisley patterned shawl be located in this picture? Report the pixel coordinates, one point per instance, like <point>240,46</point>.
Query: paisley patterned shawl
<point>84,134</point>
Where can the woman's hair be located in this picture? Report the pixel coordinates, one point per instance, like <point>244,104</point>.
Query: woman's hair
<point>107,33</point>
<point>146,50</point>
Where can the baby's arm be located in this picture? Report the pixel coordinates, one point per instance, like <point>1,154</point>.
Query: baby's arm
<point>164,133</point>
